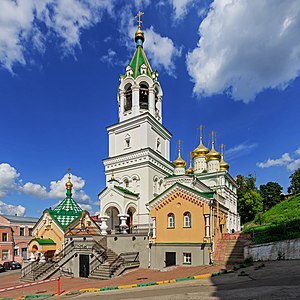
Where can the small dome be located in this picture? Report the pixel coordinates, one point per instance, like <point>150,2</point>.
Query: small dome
<point>190,170</point>
<point>201,150</point>
<point>139,35</point>
<point>179,162</point>
<point>213,155</point>
<point>224,166</point>
<point>69,185</point>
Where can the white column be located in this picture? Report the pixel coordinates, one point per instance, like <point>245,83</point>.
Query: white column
<point>103,226</point>
<point>154,228</point>
<point>32,257</point>
<point>135,99</point>
<point>123,224</point>
<point>42,258</point>
<point>159,107</point>
<point>152,101</point>
<point>122,103</point>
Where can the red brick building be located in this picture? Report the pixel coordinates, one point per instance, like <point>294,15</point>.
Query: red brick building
<point>18,233</point>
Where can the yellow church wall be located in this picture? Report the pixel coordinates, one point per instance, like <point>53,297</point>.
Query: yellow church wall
<point>52,232</point>
<point>178,203</point>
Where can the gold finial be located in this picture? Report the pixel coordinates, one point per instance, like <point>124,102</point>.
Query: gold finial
<point>213,138</point>
<point>69,184</point>
<point>179,144</point>
<point>222,149</point>
<point>201,132</point>
<point>138,17</point>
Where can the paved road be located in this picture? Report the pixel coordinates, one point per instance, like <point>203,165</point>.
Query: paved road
<point>276,280</point>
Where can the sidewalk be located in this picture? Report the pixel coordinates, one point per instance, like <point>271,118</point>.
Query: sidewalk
<point>132,277</point>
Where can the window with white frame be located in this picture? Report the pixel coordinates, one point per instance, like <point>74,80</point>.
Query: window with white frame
<point>187,258</point>
<point>187,221</point>
<point>171,220</point>
<point>5,254</point>
<point>4,237</point>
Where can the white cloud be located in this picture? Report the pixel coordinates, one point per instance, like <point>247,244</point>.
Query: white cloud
<point>246,47</point>
<point>284,160</point>
<point>8,209</point>
<point>65,19</point>
<point>298,151</point>
<point>294,165</point>
<point>239,150</point>
<point>290,161</point>
<point>86,207</point>
<point>10,182</point>
<point>8,179</point>
<point>160,50</point>
<point>180,7</point>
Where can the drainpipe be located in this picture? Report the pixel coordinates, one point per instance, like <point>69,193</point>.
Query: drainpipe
<point>211,230</point>
<point>149,232</point>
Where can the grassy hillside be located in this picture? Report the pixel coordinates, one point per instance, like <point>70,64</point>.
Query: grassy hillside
<point>279,223</point>
<point>285,211</point>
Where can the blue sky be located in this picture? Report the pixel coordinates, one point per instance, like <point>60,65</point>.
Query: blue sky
<point>230,65</point>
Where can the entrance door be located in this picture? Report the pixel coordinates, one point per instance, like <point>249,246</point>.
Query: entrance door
<point>84,265</point>
<point>170,259</point>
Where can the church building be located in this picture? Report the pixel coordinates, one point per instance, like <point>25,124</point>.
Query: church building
<point>148,193</point>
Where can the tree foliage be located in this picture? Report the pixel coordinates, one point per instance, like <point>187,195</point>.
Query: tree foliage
<point>294,188</point>
<point>270,193</point>
<point>249,200</point>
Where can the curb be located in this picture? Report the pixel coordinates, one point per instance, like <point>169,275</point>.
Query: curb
<point>120,287</point>
<point>151,283</point>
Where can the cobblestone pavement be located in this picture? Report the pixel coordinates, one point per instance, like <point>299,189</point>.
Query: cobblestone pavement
<point>11,278</point>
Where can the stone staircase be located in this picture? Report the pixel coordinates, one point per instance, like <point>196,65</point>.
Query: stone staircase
<point>103,270</point>
<point>230,249</point>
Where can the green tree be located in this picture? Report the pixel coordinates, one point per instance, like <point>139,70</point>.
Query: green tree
<point>270,193</point>
<point>251,205</point>
<point>294,188</point>
<point>248,196</point>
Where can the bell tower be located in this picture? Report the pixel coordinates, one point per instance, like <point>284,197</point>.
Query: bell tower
<point>139,144</point>
<point>139,90</point>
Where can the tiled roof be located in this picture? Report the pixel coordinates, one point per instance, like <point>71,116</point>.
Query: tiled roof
<point>66,212</point>
<point>20,219</point>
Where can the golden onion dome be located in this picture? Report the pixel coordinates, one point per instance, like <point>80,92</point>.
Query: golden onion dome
<point>69,184</point>
<point>189,171</point>
<point>139,35</point>
<point>213,154</point>
<point>224,166</point>
<point>179,162</point>
<point>201,150</point>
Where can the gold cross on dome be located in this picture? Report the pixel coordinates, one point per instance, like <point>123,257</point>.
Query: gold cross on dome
<point>138,16</point>
<point>179,144</point>
<point>69,175</point>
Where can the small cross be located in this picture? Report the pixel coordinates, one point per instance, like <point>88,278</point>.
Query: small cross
<point>138,16</point>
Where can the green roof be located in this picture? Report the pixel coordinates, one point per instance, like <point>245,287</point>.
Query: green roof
<point>44,241</point>
<point>66,212</point>
<point>139,58</point>
<point>125,190</point>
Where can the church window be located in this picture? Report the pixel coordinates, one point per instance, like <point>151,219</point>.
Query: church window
<point>144,93</point>
<point>127,141</point>
<point>129,71</point>
<point>128,98</point>
<point>126,183</point>
<point>187,258</point>
<point>187,221</point>
<point>143,69</point>
<point>171,220</point>
<point>158,145</point>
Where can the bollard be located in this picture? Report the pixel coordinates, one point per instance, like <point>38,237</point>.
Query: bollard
<point>58,286</point>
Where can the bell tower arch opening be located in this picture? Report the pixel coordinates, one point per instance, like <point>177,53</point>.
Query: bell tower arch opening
<point>128,98</point>
<point>144,96</point>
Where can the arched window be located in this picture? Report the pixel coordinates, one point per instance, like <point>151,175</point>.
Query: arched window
<point>158,145</point>
<point>187,221</point>
<point>144,93</point>
<point>127,141</point>
<point>128,98</point>
<point>171,220</point>
<point>126,182</point>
